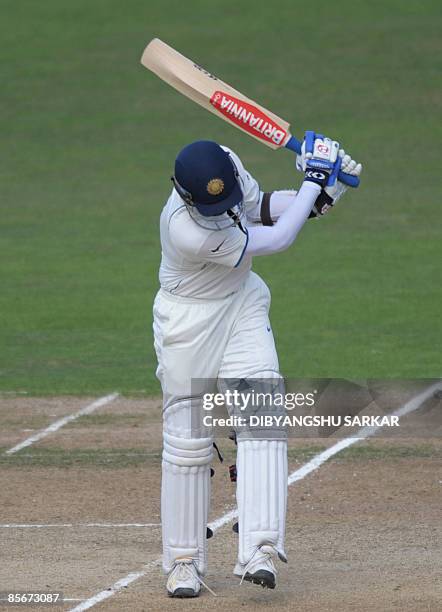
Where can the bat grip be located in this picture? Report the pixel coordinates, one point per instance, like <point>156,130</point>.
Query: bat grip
<point>295,145</point>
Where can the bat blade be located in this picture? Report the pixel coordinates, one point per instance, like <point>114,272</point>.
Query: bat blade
<point>211,93</point>
<point>218,97</point>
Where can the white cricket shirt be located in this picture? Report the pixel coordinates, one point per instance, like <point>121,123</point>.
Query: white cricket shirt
<point>203,263</point>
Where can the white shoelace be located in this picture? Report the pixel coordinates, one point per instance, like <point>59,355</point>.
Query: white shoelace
<point>267,557</point>
<point>184,565</point>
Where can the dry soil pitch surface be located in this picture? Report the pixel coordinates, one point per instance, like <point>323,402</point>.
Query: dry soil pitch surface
<point>80,511</point>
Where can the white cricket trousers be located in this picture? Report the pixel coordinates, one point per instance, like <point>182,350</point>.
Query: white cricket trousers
<point>226,338</point>
<point>206,339</point>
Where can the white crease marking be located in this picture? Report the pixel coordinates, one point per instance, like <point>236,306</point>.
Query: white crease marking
<point>56,425</point>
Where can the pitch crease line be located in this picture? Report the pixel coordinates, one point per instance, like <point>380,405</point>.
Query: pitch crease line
<point>79,525</point>
<point>299,474</point>
<point>56,425</point>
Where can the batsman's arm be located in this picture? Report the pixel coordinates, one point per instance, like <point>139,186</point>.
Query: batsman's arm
<point>265,240</point>
<point>320,163</point>
<point>270,206</point>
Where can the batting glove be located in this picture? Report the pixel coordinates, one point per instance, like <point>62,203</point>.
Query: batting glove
<point>319,159</point>
<point>332,192</point>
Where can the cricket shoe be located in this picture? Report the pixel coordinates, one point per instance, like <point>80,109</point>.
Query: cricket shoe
<point>260,569</point>
<point>184,580</point>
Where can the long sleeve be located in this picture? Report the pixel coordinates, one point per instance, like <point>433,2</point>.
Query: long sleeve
<point>264,240</point>
<point>279,202</point>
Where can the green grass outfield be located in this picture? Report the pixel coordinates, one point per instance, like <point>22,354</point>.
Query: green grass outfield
<point>88,140</point>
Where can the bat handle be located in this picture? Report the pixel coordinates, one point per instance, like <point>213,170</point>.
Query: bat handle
<point>352,181</point>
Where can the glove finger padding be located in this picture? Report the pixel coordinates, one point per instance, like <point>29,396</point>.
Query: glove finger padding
<point>346,159</point>
<point>347,166</point>
<point>337,190</point>
<point>350,166</point>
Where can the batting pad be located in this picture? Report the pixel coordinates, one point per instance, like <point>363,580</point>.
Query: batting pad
<point>261,496</point>
<point>185,491</point>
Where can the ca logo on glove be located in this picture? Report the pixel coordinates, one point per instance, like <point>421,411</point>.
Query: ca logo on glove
<point>323,148</point>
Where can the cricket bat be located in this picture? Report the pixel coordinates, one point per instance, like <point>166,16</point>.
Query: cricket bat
<point>205,89</point>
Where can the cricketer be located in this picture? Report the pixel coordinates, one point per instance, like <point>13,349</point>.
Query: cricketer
<point>211,322</point>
